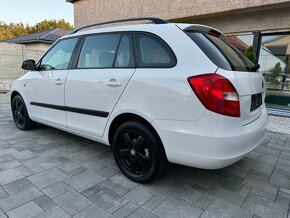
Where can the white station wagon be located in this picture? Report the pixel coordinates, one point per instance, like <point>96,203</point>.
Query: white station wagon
<point>154,92</point>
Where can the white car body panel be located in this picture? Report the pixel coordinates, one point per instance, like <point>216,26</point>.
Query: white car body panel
<point>47,87</point>
<point>191,134</point>
<point>94,89</point>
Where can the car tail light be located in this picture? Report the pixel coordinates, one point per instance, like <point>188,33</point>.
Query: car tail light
<point>216,93</point>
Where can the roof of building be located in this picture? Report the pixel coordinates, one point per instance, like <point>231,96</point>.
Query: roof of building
<point>239,44</point>
<point>71,1</point>
<point>49,37</point>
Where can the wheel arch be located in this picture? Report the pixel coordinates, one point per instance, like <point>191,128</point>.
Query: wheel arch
<point>122,118</point>
<point>13,94</point>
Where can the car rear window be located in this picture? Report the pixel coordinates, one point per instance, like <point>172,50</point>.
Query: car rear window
<point>221,52</point>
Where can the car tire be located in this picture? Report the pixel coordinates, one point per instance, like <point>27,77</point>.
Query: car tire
<point>20,114</point>
<point>138,152</point>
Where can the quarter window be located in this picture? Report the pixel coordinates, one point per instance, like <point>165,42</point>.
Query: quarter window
<point>99,51</point>
<point>59,56</point>
<point>153,52</point>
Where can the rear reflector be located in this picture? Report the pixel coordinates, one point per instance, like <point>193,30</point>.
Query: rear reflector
<point>216,93</point>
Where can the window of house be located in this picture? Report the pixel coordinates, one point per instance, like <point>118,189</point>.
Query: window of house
<point>274,59</point>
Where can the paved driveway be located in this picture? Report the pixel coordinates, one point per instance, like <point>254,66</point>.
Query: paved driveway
<point>50,173</point>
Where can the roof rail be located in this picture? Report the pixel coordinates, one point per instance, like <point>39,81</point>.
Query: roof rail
<point>152,19</point>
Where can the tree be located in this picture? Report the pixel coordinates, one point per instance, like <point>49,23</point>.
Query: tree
<point>275,76</point>
<point>12,30</point>
<point>51,24</point>
<point>250,53</point>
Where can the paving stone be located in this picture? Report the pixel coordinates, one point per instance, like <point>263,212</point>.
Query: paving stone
<point>17,186</point>
<point>84,180</point>
<point>92,190</point>
<point>142,213</point>
<point>221,208</point>
<point>280,180</point>
<point>47,178</point>
<point>263,207</point>
<point>23,155</point>
<point>93,212</point>
<point>36,169</point>
<point>176,207</point>
<point>28,210</point>
<point>283,199</point>
<point>139,195</point>
<point>267,151</point>
<point>261,185</point>
<point>56,189</point>
<point>109,200</point>
<point>67,167</point>
<point>126,210</point>
<point>82,155</point>
<point>233,183</point>
<point>160,188</point>
<point>73,202</point>
<point>45,202</point>
<point>94,164</point>
<point>10,164</point>
<point>227,195</point>
<point>202,178</point>
<point>119,184</point>
<point>50,164</point>
<point>76,171</point>
<point>259,175</point>
<point>108,172</point>
<point>6,158</point>
<point>204,201</point>
<point>7,151</point>
<point>189,193</point>
<point>153,203</point>
<point>19,198</point>
<point>3,193</point>
<point>262,194</point>
<point>55,212</point>
<point>11,175</point>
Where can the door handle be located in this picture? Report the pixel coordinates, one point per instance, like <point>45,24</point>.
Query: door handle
<point>58,82</point>
<point>113,83</point>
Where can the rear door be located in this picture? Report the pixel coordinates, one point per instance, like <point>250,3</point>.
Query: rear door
<point>233,65</point>
<point>102,71</point>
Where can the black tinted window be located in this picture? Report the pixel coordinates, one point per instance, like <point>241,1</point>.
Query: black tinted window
<point>220,52</point>
<point>125,56</point>
<point>153,52</point>
<point>99,51</point>
<point>59,56</point>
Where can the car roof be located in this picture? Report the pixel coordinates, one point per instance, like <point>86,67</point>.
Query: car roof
<point>145,28</point>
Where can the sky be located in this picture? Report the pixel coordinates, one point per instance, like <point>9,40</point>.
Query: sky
<point>34,11</point>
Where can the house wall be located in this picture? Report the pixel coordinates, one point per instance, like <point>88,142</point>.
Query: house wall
<point>12,56</point>
<point>227,15</point>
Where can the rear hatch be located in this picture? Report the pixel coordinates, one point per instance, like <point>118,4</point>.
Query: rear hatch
<point>233,65</point>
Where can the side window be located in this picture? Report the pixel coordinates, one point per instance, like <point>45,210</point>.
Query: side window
<point>59,56</point>
<point>99,51</point>
<point>125,55</point>
<point>153,52</point>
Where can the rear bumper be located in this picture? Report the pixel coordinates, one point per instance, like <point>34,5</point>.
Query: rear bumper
<point>213,142</point>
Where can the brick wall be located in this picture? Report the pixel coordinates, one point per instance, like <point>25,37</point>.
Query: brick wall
<point>247,14</point>
<point>11,58</point>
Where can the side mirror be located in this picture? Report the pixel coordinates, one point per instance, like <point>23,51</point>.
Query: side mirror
<point>28,65</point>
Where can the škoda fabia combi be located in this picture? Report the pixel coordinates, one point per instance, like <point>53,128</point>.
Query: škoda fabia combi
<point>154,92</point>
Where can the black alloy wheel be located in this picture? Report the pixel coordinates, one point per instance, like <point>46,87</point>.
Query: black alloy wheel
<point>137,152</point>
<point>20,114</point>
